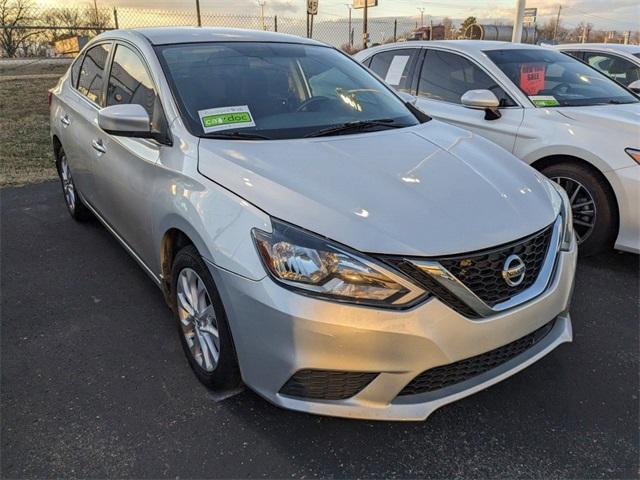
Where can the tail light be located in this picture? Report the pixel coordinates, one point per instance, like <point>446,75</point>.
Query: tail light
<point>50,97</point>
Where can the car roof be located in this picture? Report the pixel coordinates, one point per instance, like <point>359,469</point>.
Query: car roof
<point>468,46</point>
<point>171,35</point>
<point>613,47</point>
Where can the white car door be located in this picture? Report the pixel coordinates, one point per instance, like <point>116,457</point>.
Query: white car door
<point>445,76</point>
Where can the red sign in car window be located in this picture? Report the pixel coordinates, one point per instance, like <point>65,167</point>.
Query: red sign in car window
<point>532,78</point>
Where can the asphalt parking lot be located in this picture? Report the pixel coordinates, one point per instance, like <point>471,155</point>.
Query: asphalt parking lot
<point>94,383</point>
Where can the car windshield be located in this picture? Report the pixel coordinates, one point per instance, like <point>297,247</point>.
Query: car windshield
<point>276,90</point>
<point>637,54</point>
<point>552,79</point>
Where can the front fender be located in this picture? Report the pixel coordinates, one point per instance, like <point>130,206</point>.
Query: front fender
<point>218,223</point>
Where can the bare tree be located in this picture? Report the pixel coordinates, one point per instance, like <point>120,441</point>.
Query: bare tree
<point>66,20</point>
<point>98,20</point>
<point>15,15</point>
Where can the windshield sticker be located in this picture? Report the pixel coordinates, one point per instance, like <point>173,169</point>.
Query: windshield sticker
<point>532,78</point>
<point>544,100</point>
<point>224,118</point>
<point>396,69</point>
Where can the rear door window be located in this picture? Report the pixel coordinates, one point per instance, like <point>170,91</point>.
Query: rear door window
<point>618,68</point>
<point>447,76</point>
<point>395,67</point>
<point>75,70</point>
<point>91,79</point>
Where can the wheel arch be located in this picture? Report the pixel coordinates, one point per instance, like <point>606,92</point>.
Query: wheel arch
<point>173,240</point>
<point>549,160</point>
<point>57,148</point>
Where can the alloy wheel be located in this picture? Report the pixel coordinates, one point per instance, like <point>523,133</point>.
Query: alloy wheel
<point>198,319</point>
<point>583,206</point>
<point>67,184</point>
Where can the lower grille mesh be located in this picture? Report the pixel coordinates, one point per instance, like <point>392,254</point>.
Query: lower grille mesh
<point>447,375</point>
<point>326,384</point>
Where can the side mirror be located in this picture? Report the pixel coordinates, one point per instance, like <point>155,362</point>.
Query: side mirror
<point>482,100</point>
<point>634,86</point>
<point>407,97</point>
<point>127,120</point>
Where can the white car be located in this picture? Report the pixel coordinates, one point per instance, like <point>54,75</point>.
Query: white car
<point>620,62</point>
<point>557,114</point>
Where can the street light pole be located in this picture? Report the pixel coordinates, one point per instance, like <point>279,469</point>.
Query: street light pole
<point>421,10</point>
<point>261,3</point>
<point>517,22</point>
<point>555,28</point>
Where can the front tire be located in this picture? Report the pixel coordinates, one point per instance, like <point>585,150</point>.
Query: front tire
<point>595,213</point>
<point>77,209</point>
<point>202,322</point>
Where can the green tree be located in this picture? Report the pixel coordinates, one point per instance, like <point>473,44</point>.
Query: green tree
<point>463,28</point>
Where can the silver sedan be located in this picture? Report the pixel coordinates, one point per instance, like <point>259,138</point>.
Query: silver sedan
<point>317,236</point>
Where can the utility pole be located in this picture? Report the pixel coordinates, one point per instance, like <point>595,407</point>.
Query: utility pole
<point>421,10</point>
<point>365,32</point>
<point>261,3</point>
<point>349,40</point>
<point>555,28</point>
<point>198,13</point>
<point>517,22</point>
<point>430,28</point>
<point>584,33</point>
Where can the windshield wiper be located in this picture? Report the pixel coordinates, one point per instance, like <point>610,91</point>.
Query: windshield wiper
<point>360,125</point>
<point>237,135</point>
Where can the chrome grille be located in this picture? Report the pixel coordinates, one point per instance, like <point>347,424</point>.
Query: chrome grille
<point>472,283</point>
<point>482,273</point>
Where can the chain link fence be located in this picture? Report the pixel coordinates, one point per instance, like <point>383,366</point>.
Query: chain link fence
<point>29,31</point>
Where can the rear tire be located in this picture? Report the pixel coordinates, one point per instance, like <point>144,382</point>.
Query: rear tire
<point>76,207</point>
<point>202,322</point>
<point>595,213</point>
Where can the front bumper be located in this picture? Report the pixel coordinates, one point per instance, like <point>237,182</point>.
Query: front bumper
<point>278,333</point>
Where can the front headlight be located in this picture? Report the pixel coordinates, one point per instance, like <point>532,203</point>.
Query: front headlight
<point>567,218</point>
<point>313,265</point>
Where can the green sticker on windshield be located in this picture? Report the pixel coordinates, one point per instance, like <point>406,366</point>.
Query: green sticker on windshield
<point>224,118</point>
<point>544,100</point>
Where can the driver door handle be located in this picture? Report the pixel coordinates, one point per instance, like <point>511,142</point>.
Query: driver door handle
<point>98,146</point>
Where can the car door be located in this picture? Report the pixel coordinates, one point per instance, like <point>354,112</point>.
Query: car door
<point>443,77</point>
<point>127,166</point>
<point>79,117</point>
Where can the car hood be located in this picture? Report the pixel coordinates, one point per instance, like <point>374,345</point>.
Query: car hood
<point>393,192</point>
<point>621,118</point>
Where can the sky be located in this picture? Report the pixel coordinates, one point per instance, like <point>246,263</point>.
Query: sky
<point>619,15</point>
